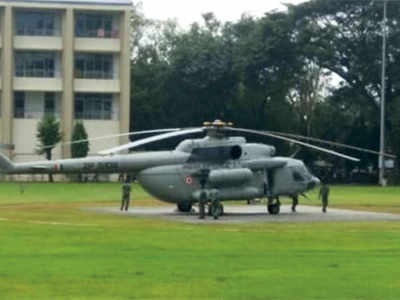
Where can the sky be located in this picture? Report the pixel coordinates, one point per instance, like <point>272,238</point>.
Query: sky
<point>188,11</point>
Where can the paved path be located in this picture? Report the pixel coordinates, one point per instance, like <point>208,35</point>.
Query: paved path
<point>241,214</point>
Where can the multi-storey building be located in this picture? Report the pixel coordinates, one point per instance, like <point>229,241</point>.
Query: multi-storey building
<point>68,58</point>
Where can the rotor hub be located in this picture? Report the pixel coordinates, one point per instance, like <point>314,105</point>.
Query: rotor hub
<point>216,129</point>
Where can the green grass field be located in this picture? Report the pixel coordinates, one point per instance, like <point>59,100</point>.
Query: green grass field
<point>51,249</point>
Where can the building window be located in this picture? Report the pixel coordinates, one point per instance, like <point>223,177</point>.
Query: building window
<point>94,66</point>
<point>19,105</point>
<point>34,64</point>
<point>34,105</point>
<point>93,106</point>
<point>37,23</point>
<point>49,104</point>
<point>95,26</point>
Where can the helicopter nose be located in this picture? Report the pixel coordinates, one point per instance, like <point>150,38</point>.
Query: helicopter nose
<point>313,183</point>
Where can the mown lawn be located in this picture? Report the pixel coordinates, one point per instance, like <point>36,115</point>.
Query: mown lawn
<point>372,198</point>
<point>51,249</point>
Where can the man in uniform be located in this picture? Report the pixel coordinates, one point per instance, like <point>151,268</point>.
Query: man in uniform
<point>323,195</point>
<point>295,201</point>
<point>126,194</point>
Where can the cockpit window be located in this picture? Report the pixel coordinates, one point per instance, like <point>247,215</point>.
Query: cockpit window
<point>297,176</point>
<point>306,172</point>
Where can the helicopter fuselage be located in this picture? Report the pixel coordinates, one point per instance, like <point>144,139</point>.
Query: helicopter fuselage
<point>224,168</point>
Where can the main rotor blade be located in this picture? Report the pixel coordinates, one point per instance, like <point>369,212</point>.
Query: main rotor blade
<point>301,137</point>
<point>151,139</point>
<point>293,141</point>
<point>114,136</point>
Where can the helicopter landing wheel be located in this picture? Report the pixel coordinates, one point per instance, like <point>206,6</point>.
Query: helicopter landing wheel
<point>202,205</point>
<point>217,210</point>
<point>202,210</point>
<point>273,207</point>
<point>184,206</point>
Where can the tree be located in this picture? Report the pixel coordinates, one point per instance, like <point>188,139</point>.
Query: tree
<point>345,37</point>
<point>80,149</point>
<point>48,134</point>
<point>80,145</point>
<point>232,71</point>
<point>305,96</point>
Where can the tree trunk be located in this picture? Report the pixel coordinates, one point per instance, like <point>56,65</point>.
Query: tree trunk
<point>48,157</point>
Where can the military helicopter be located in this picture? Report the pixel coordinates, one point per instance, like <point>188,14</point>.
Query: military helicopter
<point>206,171</point>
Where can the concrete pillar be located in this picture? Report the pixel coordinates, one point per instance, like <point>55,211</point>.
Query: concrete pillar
<point>7,103</point>
<point>67,105</point>
<point>125,71</point>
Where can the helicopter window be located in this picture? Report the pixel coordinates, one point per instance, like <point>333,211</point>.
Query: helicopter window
<point>306,172</point>
<point>297,176</point>
<point>216,153</point>
<point>236,152</point>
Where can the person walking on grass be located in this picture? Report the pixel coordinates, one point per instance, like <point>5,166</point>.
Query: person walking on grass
<point>126,194</point>
<point>323,195</point>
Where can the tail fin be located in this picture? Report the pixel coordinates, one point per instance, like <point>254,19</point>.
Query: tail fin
<point>6,165</point>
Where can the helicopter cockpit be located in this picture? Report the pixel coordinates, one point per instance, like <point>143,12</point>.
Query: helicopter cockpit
<point>301,175</point>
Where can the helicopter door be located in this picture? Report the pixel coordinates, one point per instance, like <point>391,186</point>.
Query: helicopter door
<point>268,182</point>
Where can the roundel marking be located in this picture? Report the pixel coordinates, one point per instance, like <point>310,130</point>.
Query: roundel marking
<point>188,180</point>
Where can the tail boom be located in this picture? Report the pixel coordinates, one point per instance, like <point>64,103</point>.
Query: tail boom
<point>6,166</point>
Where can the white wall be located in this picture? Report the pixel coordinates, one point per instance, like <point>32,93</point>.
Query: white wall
<point>97,45</point>
<point>101,128</point>
<point>96,86</point>
<point>25,141</point>
<point>48,43</point>
<point>37,84</point>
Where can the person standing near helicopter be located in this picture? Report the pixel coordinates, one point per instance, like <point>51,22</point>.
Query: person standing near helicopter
<point>126,194</point>
<point>323,195</point>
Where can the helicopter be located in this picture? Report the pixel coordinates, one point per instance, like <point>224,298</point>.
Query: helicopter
<point>204,171</point>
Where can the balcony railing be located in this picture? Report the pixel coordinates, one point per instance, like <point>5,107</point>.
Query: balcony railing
<point>80,74</point>
<point>96,115</point>
<point>35,73</point>
<point>98,33</point>
<point>20,113</point>
<point>28,31</point>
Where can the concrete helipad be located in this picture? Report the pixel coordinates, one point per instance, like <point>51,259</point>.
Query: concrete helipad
<point>252,213</point>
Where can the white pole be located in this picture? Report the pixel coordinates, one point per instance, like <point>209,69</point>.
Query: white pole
<point>382,181</point>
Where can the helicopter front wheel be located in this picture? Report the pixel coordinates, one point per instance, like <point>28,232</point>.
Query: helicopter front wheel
<point>202,205</point>
<point>184,206</point>
<point>273,207</point>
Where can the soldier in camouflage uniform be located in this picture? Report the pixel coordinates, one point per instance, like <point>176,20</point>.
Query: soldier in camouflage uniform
<point>126,194</point>
<point>323,195</point>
